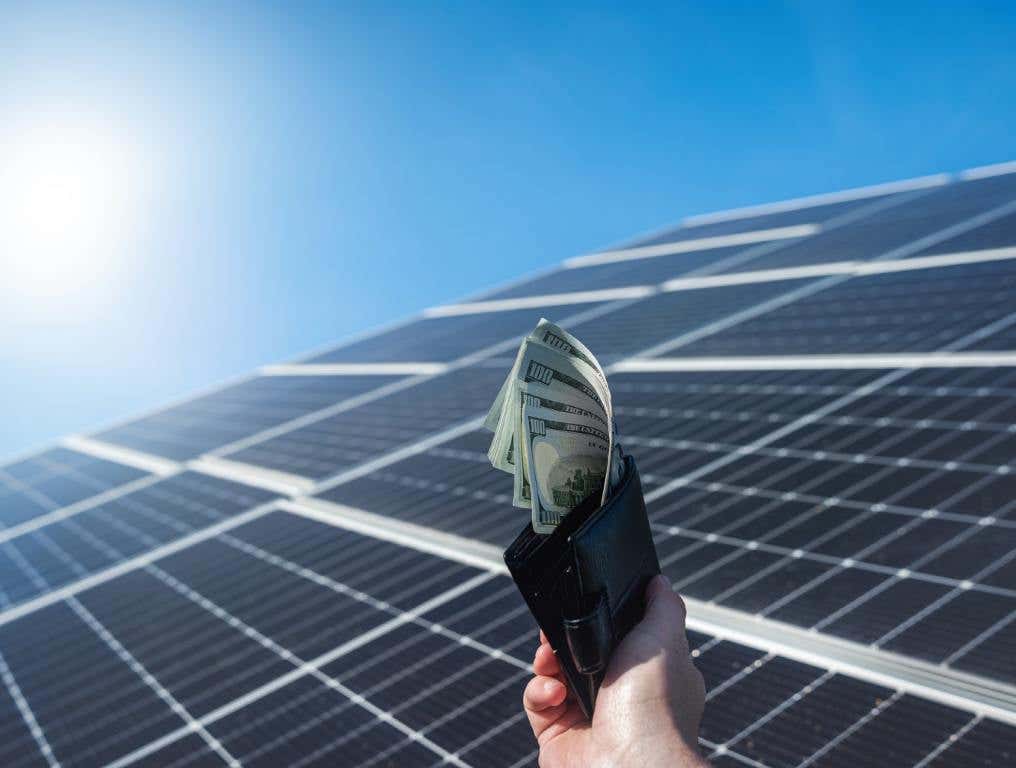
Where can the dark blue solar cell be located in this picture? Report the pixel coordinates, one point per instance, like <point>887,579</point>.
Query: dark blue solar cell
<point>68,549</point>
<point>402,577</point>
<point>199,658</point>
<point>954,626</point>
<point>188,752</point>
<point>618,274</point>
<point>877,614</point>
<point>91,706</point>
<point>753,695</point>
<point>53,479</point>
<point>443,488</point>
<point>807,525</point>
<point>912,311</point>
<point>791,216</point>
<point>227,415</point>
<point>322,726</point>
<point>667,316</point>
<point>902,733</point>
<point>925,218</point>
<point>988,744</point>
<point>443,339</point>
<point>355,436</point>
<point>824,712</point>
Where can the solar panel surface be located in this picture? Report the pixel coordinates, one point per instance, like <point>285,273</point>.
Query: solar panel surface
<point>828,463</point>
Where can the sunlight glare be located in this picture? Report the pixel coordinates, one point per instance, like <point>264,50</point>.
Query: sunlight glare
<point>65,205</point>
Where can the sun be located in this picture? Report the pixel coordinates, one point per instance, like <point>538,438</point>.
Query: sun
<point>66,204</point>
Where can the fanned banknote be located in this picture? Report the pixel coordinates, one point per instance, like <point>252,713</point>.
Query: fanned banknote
<point>553,426</point>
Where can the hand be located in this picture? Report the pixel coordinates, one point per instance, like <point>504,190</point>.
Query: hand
<point>649,706</point>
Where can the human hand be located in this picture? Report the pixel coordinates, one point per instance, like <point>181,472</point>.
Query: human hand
<point>648,708</point>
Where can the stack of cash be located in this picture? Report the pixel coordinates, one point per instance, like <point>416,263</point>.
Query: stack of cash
<point>553,427</point>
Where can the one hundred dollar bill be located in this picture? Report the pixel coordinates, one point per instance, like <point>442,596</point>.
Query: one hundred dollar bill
<point>567,456</point>
<point>555,376</point>
<point>502,452</point>
<point>545,372</point>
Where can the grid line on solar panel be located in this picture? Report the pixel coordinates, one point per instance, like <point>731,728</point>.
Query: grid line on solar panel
<point>373,658</point>
<point>464,492</point>
<point>801,714</point>
<point>39,467</point>
<point>125,655</point>
<point>805,454</point>
<point>27,716</point>
<point>227,415</point>
<point>813,292</point>
<point>789,556</point>
<point>785,213</point>
<point>909,311</point>
<point>986,743</point>
<point>946,542</point>
<point>846,399</point>
<point>949,216</point>
<point>79,546</point>
<point>786,554</point>
<point>451,339</point>
<point>270,449</point>
<point>907,244</point>
<point>300,673</point>
<point>943,233</point>
<point>953,228</point>
<point>30,488</point>
<point>462,641</point>
<point>657,269</point>
<point>60,513</point>
<point>860,723</point>
<point>358,697</point>
<point>883,426</point>
<point>701,281</point>
<point>161,574</point>
<point>438,650</point>
<point>341,442</point>
<point>1000,233</point>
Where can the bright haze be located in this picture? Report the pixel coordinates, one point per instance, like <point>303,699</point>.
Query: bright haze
<point>189,190</point>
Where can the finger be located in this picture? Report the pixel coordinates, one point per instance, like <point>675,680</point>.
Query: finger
<point>543,700</point>
<point>566,717</point>
<point>543,638</point>
<point>546,662</point>
<point>543,692</point>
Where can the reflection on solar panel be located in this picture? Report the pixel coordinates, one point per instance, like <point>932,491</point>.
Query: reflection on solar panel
<point>304,568</point>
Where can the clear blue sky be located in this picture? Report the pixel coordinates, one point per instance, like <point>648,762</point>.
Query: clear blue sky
<point>296,172</point>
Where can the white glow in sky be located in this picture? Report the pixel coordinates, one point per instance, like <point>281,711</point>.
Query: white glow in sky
<point>68,203</point>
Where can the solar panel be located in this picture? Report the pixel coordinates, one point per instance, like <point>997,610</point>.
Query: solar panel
<point>439,339</point>
<point>347,439</point>
<point>303,568</point>
<point>239,411</point>
<point>914,311</point>
<point>618,274</point>
<point>56,478</point>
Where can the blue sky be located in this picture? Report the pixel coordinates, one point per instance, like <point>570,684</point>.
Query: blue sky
<point>271,177</point>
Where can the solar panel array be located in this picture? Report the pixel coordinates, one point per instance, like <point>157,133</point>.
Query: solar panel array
<point>302,568</point>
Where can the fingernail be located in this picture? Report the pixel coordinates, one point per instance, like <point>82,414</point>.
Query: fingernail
<point>550,686</point>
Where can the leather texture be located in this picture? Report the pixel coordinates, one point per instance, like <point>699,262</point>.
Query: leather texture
<point>585,583</point>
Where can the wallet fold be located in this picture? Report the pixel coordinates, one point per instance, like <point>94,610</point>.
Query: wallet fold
<point>585,582</point>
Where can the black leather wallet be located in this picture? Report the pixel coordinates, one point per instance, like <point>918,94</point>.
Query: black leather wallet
<point>585,583</point>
